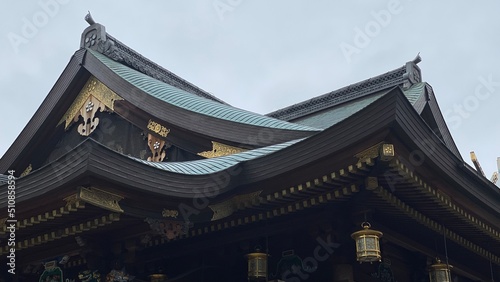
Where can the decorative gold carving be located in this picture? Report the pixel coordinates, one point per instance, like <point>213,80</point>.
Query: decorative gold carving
<point>88,111</point>
<point>385,151</point>
<point>100,198</point>
<point>219,150</point>
<point>157,147</point>
<point>93,88</point>
<point>228,207</point>
<point>158,128</point>
<point>168,228</point>
<point>170,213</point>
<point>27,171</point>
<point>71,200</point>
<point>371,152</point>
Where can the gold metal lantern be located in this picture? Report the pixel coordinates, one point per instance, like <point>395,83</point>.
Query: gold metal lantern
<point>367,244</point>
<point>440,272</point>
<point>159,277</point>
<point>257,266</point>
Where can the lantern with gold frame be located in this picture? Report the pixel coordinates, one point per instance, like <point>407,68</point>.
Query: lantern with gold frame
<point>367,244</point>
<point>257,266</point>
<point>440,272</point>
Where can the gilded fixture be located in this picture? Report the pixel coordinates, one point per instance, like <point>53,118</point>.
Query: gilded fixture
<point>157,147</point>
<point>100,198</point>
<point>158,277</point>
<point>93,96</point>
<point>71,200</point>
<point>170,213</point>
<point>387,152</point>
<point>158,128</point>
<point>367,244</point>
<point>170,229</point>
<point>88,112</point>
<point>219,150</point>
<point>257,266</point>
<point>371,152</point>
<point>383,150</point>
<point>440,272</point>
<point>227,208</point>
<point>27,170</point>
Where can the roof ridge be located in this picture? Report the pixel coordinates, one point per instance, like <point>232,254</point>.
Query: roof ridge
<point>406,75</point>
<point>182,99</point>
<point>96,38</point>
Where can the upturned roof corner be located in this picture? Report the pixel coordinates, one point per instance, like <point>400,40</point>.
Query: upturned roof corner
<point>96,38</point>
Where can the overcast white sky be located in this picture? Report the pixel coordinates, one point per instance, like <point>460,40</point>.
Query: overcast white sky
<point>265,55</point>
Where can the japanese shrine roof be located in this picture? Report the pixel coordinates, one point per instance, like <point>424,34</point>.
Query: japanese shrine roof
<point>334,115</point>
<point>342,95</point>
<point>188,101</point>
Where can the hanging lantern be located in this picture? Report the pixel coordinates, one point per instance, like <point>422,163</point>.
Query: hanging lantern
<point>158,277</point>
<point>440,272</point>
<point>367,244</point>
<point>257,266</point>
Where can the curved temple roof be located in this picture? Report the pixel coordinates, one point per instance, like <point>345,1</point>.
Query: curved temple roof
<point>180,98</point>
<point>208,166</point>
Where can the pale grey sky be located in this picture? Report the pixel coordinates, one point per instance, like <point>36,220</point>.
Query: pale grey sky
<point>264,55</point>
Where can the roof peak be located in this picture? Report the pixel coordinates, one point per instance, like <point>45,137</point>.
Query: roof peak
<point>96,38</point>
<point>405,76</point>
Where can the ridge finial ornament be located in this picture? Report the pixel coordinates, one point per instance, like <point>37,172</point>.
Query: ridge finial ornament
<point>417,59</point>
<point>89,18</point>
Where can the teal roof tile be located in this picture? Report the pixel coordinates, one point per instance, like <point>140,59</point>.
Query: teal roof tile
<point>209,166</point>
<point>334,115</point>
<point>180,98</point>
<point>414,92</point>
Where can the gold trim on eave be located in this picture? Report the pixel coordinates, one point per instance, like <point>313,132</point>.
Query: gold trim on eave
<point>158,128</point>
<point>383,150</point>
<point>227,208</point>
<point>219,150</point>
<point>27,171</point>
<point>94,88</point>
<point>100,198</point>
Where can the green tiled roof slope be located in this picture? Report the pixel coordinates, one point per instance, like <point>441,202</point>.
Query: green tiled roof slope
<point>334,115</point>
<point>213,165</point>
<point>191,102</point>
<point>414,92</point>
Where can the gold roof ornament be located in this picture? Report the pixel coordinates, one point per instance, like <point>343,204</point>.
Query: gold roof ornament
<point>93,97</point>
<point>219,150</point>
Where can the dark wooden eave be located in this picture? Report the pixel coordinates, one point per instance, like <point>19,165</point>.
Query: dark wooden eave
<point>391,112</point>
<point>92,158</point>
<point>41,126</point>
<point>391,119</point>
